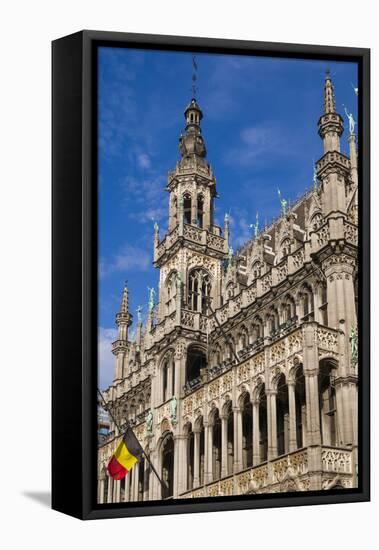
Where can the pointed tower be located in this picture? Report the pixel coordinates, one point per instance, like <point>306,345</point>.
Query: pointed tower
<point>189,258</point>
<point>333,169</point>
<point>193,241</point>
<point>121,346</point>
<point>334,174</point>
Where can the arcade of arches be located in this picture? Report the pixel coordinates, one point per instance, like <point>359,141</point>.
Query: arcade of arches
<point>242,435</point>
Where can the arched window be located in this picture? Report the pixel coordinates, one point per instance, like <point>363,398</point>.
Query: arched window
<point>308,304</point>
<point>282,416</point>
<point>168,464</point>
<point>196,360</point>
<point>247,432</point>
<point>256,269</point>
<point>200,210</point>
<point>256,329</point>
<point>230,291</point>
<point>301,419</point>
<point>323,304</point>
<point>165,380</point>
<point>199,290</point>
<point>262,424</point>
<point>328,406</point>
<point>288,309</point>
<point>216,445</point>
<point>230,437</point>
<point>285,248</point>
<point>273,319</point>
<point>243,339</point>
<point>190,455</point>
<point>316,221</point>
<point>187,202</point>
<point>171,292</point>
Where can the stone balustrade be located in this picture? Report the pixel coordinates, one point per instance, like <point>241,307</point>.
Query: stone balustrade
<point>265,477</point>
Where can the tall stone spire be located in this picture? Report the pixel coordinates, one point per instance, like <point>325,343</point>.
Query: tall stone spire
<point>330,124</point>
<point>333,168</point>
<point>121,346</point>
<point>123,317</point>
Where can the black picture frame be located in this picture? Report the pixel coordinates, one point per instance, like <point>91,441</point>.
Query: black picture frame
<point>74,272</point>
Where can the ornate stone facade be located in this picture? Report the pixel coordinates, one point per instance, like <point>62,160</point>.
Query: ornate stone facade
<point>245,365</point>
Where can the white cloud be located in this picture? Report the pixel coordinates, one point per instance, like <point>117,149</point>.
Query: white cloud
<point>105,357</point>
<point>261,143</point>
<point>143,160</point>
<point>129,258</point>
<point>240,228</point>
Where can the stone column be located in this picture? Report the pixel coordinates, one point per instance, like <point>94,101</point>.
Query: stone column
<point>272,448</point>
<point>292,416</point>
<point>194,209</point>
<point>117,491</point>
<point>313,409</point>
<point>207,211</point>
<point>209,454</point>
<point>101,491</point>
<point>224,445</point>
<point>110,490</point>
<point>181,464</point>
<point>196,458</point>
<point>237,418</point>
<point>146,481</point>
<point>353,158</point>
<point>127,488</point>
<point>169,379</point>
<point>311,384</point>
<point>256,455</point>
<point>136,482</point>
<point>340,293</point>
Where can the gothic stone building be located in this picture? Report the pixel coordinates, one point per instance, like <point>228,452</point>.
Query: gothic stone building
<point>244,379</point>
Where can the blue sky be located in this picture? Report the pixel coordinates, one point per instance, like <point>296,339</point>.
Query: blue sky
<point>260,128</point>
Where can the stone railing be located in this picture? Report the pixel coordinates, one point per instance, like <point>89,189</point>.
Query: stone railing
<point>193,233</point>
<point>193,320</point>
<point>327,339</point>
<point>350,232</point>
<point>216,242</point>
<point>274,475</point>
<point>336,460</point>
<point>293,464</point>
<point>167,242</point>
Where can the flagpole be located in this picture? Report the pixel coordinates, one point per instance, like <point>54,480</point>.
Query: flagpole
<point>163,484</point>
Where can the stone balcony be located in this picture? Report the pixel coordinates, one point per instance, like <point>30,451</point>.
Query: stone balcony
<point>210,240</point>
<point>287,473</point>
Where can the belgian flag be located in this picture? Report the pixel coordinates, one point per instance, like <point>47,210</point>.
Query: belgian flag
<point>126,455</point>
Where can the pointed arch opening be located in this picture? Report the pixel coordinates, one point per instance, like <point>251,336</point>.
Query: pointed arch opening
<point>301,414</point>
<point>195,363</point>
<point>199,290</point>
<point>167,472</point>
<point>216,444</point>
<point>187,205</point>
<point>282,415</point>
<point>328,405</point>
<point>247,431</point>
